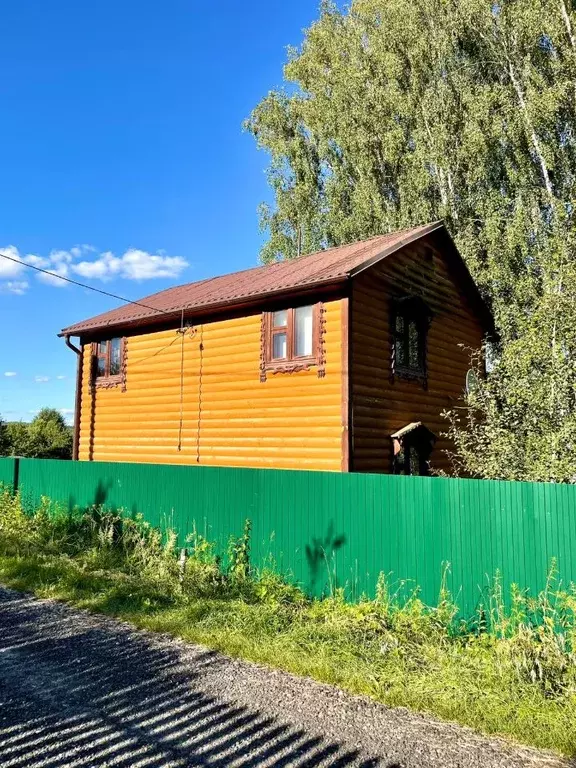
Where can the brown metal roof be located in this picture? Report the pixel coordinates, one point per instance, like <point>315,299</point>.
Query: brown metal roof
<point>334,265</point>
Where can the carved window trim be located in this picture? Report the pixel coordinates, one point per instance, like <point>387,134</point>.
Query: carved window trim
<point>293,363</point>
<point>108,381</point>
<point>414,311</point>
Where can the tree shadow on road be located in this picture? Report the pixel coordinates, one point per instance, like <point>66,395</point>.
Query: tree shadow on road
<point>72,695</point>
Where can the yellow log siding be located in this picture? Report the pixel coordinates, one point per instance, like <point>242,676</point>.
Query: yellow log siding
<point>229,417</point>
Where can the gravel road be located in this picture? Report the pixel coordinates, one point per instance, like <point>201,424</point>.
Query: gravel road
<point>84,690</point>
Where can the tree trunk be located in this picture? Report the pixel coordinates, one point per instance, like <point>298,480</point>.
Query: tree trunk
<point>531,130</point>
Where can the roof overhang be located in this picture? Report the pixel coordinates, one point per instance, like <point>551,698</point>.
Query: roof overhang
<point>168,318</point>
<point>416,429</point>
<point>262,300</point>
<point>388,251</point>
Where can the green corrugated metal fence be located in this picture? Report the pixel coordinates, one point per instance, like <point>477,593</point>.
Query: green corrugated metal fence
<point>341,528</point>
<point>7,468</point>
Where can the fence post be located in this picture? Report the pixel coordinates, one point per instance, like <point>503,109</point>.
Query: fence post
<point>16,478</point>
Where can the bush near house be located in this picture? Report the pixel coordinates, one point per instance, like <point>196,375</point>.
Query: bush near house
<point>510,670</point>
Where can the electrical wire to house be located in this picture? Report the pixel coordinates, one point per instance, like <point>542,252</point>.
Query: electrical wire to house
<point>181,332</point>
<point>84,285</point>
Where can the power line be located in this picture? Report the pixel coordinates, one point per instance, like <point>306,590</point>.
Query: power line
<point>83,285</point>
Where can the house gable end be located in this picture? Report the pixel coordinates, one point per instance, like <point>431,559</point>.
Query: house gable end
<point>384,399</point>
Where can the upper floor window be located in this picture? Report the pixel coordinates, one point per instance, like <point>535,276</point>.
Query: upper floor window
<point>108,360</point>
<point>292,332</point>
<point>292,338</point>
<point>410,322</point>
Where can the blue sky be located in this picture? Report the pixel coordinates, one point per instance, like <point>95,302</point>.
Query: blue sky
<point>123,160</point>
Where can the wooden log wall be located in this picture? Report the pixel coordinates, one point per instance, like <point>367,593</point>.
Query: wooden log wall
<point>380,406</point>
<point>229,417</point>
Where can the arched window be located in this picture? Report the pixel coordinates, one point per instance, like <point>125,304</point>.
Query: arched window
<point>410,322</point>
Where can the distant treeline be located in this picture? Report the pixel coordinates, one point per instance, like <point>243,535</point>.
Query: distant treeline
<point>47,436</point>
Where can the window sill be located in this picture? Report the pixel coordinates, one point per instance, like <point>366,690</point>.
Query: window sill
<point>410,374</point>
<point>291,366</point>
<point>107,382</point>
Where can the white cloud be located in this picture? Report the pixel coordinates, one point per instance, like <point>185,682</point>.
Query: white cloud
<point>8,268</point>
<point>140,265</point>
<point>80,250</point>
<point>134,264</point>
<point>10,373</point>
<point>90,263</point>
<point>61,257</point>
<point>99,269</point>
<point>54,277</point>
<point>41,379</point>
<point>61,377</point>
<point>37,261</point>
<point>18,287</point>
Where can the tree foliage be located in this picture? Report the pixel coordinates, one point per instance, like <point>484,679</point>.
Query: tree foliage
<point>46,437</point>
<point>17,432</point>
<point>4,442</point>
<point>407,111</point>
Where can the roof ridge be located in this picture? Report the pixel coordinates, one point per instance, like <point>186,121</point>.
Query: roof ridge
<point>369,242</point>
<point>320,268</point>
<point>293,260</point>
<point>281,262</point>
<point>365,246</point>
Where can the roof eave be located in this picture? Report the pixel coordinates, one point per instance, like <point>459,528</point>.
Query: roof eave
<point>169,317</point>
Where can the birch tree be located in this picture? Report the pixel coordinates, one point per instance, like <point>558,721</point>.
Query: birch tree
<point>405,111</point>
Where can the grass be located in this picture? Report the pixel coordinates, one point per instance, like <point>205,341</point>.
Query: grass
<point>510,672</point>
